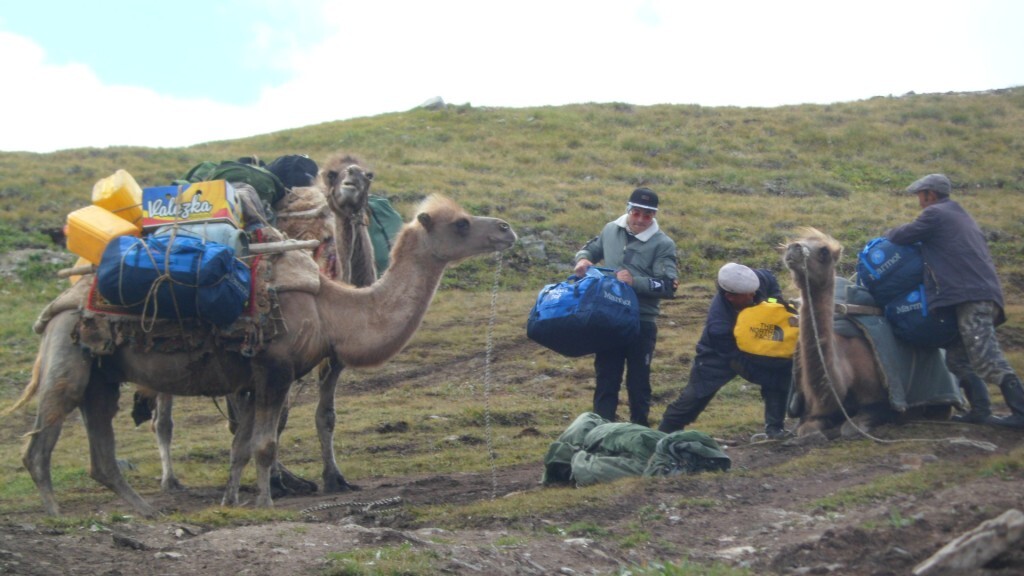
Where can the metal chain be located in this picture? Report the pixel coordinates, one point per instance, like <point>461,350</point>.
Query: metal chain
<point>384,505</point>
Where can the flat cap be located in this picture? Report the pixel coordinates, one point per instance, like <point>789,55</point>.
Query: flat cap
<point>937,183</point>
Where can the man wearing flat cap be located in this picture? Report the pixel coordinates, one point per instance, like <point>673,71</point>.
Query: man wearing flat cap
<point>645,258</point>
<point>959,273</point>
<point>719,358</point>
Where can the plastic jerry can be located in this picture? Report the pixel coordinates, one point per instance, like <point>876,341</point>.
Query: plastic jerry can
<point>120,194</point>
<point>91,228</point>
<point>210,231</point>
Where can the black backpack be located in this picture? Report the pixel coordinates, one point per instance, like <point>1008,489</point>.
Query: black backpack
<point>294,170</point>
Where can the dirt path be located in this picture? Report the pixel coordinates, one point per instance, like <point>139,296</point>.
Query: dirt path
<point>758,521</point>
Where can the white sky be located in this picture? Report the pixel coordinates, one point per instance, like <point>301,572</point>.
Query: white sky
<point>169,74</point>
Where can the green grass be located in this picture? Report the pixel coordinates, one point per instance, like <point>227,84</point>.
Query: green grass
<point>734,183</point>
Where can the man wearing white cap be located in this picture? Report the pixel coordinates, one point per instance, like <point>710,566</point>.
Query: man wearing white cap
<point>645,258</point>
<point>719,359</point>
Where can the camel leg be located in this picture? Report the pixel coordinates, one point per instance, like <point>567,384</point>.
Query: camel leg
<point>98,409</point>
<point>163,424</point>
<point>60,377</point>
<point>240,407</point>
<point>269,401</point>
<point>36,458</point>
<point>284,482</point>
<point>325,421</point>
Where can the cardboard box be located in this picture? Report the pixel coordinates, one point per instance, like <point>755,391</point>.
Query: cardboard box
<point>90,229</point>
<point>213,200</point>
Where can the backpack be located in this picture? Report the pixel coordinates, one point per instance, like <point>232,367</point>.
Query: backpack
<point>769,329</point>
<point>910,320</point>
<point>294,170</point>
<point>268,186</point>
<point>385,224</point>
<point>889,270</point>
<point>585,315</point>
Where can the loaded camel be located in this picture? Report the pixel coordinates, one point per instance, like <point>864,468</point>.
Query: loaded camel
<point>333,212</point>
<point>355,326</point>
<point>830,367</point>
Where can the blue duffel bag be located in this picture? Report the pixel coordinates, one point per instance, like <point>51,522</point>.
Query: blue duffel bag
<point>889,270</point>
<point>585,315</point>
<point>910,319</point>
<point>174,277</point>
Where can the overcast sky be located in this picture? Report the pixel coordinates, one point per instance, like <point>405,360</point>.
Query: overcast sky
<point>175,73</point>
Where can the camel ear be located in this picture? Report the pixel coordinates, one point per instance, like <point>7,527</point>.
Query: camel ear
<point>425,220</point>
<point>369,175</point>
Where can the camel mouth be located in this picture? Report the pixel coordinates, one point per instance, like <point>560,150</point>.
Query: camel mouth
<point>796,255</point>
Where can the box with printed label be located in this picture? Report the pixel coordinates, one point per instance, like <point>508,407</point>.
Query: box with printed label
<point>213,200</point>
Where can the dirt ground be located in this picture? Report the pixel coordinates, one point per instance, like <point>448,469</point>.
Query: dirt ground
<point>761,521</point>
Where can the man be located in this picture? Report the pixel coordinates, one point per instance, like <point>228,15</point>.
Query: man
<point>719,359</point>
<point>959,273</point>
<point>645,258</point>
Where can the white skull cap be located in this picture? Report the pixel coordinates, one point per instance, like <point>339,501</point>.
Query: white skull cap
<point>738,279</point>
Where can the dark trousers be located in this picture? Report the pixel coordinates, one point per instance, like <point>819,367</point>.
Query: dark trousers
<point>635,359</point>
<point>710,372</point>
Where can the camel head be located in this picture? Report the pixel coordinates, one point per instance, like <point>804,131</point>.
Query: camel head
<point>452,234</point>
<point>812,257</point>
<point>346,183</point>
<point>348,192</point>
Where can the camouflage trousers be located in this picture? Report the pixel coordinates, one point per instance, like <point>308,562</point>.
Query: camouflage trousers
<point>977,351</point>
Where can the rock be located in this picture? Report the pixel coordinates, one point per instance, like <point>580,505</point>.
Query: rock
<point>435,103</point>
<point>975,548</point>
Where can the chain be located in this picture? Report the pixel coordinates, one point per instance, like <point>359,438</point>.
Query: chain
<point>384,505</point>
<point>487,375</point>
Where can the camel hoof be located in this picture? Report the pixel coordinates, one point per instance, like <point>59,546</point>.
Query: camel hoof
<point>816,438</point>
<point>852,430</point>
<point>338,484</point>
<point>172,485</point>
<point>285,483</point>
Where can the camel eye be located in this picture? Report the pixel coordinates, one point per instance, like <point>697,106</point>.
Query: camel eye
<point>462,227</point>
<point>824,253</point>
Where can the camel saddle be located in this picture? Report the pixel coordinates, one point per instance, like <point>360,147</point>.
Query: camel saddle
<point>102,328</point>
<point>915,376</point>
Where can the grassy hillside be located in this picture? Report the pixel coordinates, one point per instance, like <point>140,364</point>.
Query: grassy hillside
<point>734,182</point>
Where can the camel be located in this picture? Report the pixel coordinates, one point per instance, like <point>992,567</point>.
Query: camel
<point>347,187</point>
<point>830,366</point>
<point>358,327</point>
<point>343,189</point>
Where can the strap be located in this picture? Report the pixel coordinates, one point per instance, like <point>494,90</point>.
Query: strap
<point>860,309</point>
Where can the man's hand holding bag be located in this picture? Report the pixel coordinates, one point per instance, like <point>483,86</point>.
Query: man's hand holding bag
<point>585,315</point>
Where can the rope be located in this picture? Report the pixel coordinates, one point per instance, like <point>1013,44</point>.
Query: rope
<point>988,446</point>
<point>487,376</point>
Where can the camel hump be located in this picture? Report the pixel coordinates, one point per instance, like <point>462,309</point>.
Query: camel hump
<point>74,298</point>
<point>295,271</point>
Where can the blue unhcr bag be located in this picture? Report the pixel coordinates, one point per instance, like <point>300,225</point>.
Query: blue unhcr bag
<point>910,320</point>
<point>174,277</point>
<point>889,270</point>
<point>585,315</point>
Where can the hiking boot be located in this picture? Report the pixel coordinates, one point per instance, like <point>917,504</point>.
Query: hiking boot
<point>775,432</point>
<point>1013,393</point>
<point>981,406</point>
